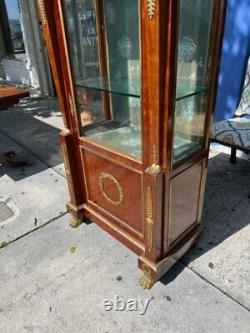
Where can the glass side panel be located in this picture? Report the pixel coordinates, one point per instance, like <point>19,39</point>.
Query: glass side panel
<point>193,43</point>
<point>104,48</point>
<point>189,126</point>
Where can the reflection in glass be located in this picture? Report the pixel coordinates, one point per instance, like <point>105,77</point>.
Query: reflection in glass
<point>104,47</point>
<point>192,58</point>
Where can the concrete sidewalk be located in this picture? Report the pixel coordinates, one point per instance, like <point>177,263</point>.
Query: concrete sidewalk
<point>55,279</point>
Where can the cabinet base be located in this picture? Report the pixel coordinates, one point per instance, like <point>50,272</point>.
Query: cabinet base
<point>154,271</point>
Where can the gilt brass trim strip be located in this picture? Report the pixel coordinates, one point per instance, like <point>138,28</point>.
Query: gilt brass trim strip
<point>149,219</point>
<point>42,12</point>
<point>71,105</point>
<point>154,169</point>
<point>67,170</point>
<point>151,8</point>
<point>155,155</point>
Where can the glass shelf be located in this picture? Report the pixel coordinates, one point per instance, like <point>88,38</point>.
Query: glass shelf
<point>183,148</point>
<point>185,91</point>
<point>131,87</point>
<point>125,86</point>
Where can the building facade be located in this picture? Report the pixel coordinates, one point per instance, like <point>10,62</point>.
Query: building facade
<point>23,55</point>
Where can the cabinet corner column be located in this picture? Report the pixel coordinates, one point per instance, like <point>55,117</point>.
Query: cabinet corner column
<point>153,17</point>
<point>54,37</point>
<point>71,163</point>
<point>153,181</point>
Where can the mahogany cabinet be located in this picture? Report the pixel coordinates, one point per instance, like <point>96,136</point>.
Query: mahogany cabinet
<point>136,82</point>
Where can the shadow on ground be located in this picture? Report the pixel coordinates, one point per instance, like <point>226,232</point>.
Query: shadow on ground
<point>39,138</point>
<point>19,173</point>
<point>38,107</point>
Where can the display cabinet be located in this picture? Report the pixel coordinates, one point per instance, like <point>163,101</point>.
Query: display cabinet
<point>136,82</point>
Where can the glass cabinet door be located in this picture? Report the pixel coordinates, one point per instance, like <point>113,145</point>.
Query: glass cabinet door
<point>195,18</point>
<point>104,48</point>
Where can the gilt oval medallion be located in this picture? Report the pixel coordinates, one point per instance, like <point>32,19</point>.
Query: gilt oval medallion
<point>104,178</point>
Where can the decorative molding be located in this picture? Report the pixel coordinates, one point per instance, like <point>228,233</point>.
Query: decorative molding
<point>154,169</point>
<point>42,12</point>
<point>149,219</point>
<point>71,105</point>
<point>151,8</point>
<point>155,155</point>
<point>66,131</point>
<point>146,281</point>
<point>104,176</point>
<point>67,170</point>
<point>66,162</point>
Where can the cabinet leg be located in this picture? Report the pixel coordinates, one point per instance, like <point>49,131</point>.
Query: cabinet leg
<point>77,215</point>
<point>153,271</point>
<point>75,222</point>
<point>145,282</point>
<point>233,157</point>
<point>148,279</point>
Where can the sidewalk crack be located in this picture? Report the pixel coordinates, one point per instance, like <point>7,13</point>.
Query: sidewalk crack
<point>5,244</point>
<point>214,286</point>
